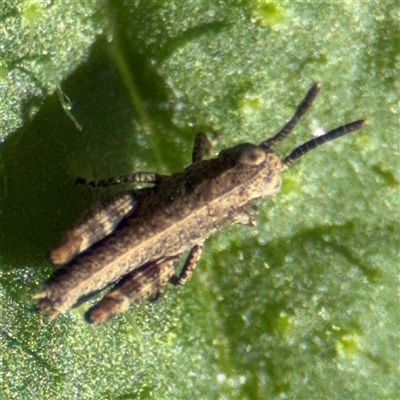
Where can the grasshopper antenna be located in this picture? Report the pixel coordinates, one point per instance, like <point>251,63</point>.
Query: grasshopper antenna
<point>301,110</point>
<point>331,135</point>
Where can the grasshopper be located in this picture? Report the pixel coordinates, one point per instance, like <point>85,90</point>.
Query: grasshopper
<point>134,239</point>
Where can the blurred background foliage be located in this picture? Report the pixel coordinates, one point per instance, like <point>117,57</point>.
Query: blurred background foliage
<point>304,305</point>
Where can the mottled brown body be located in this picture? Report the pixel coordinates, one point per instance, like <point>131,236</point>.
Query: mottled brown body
<point>138,235</point>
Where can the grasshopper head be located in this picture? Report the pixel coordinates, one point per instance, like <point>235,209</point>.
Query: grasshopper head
<point>258,169</point>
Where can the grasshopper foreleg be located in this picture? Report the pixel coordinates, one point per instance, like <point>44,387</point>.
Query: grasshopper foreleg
<point>245,218</point>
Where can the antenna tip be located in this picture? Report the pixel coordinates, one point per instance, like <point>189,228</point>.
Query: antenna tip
<point>359,124</point>
<point>317,85</point>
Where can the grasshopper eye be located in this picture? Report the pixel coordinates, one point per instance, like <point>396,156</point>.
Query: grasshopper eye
<point>251,155</point>
<point>244,153</point>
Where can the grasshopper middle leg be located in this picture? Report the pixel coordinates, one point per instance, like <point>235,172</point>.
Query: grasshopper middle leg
<point>189,266</point>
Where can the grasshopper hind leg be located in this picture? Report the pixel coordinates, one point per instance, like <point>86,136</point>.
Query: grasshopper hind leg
<point>102,218</point>
<point>141,284</point>
<point>138,285</point>
<point>96,223</point>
